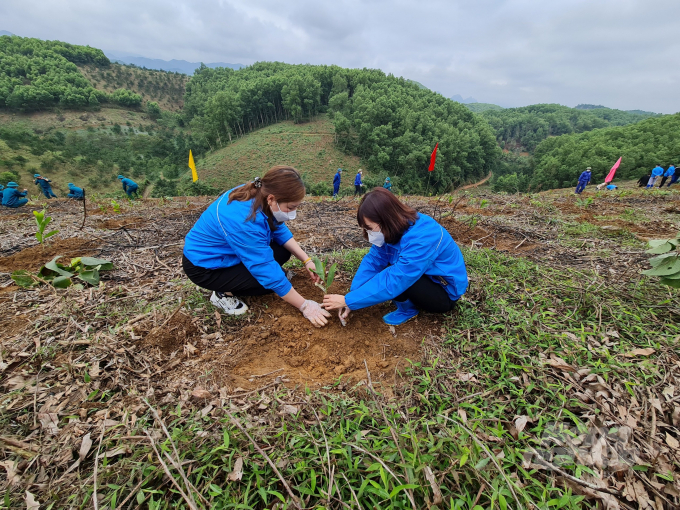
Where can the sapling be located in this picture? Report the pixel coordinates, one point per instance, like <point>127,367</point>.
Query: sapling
<point>42,220</point>
<point>324,272</point>
<point>327,274</point>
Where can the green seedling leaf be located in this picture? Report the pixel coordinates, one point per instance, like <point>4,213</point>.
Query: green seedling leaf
<point>53,266</point>
<point>90,276</point>
<point>655,243</point>
<point>331,276</point>
<point>50,234</point>
<point>662,248</point>
<point>23,278</point>
<point>675,283</point>
<point>61,282</point>
<point>667,267</point>
<point>106,265</point>
<point>655,261</point>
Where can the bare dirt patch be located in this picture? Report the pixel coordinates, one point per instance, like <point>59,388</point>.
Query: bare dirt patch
<point>278,340</point>
<point>34,257</point>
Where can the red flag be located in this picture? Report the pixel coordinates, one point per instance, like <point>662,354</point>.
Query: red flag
<point>610,177</point>
<point>433,158</point>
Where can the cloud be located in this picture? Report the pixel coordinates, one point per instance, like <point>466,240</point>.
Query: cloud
<point>620,53</point>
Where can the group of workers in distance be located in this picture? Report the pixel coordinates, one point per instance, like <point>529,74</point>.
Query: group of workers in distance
<point>358,183</point>
<point>648,180</point>
<point>12,197</point>
<point>239,244</point>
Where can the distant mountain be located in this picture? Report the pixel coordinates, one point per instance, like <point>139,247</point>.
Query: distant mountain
<point>483,107</point>
<point>5,32</point>
<point>599,106</point>
<point>460,99</point>
<point>176,66</point>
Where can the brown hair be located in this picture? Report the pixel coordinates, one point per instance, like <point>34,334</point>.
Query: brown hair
<point>382,207</point>
<point>284,182</point>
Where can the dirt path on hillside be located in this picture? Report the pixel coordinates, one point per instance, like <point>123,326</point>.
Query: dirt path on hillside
<point>470,186</point>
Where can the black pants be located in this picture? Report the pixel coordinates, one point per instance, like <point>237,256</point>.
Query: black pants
<point>357,190</point>
<point>428,296</point>
<point>663,180</point>
<point>235,279</point>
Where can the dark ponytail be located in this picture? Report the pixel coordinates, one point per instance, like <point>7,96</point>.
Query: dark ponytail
<point>284,182</point>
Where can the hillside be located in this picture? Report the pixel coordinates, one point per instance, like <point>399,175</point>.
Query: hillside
<point>308,146</point>
<point>559,336</point>
<point>164,88</point>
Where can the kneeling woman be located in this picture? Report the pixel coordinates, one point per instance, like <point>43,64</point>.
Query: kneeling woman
<point>240,242</point>
<point>414,261</point>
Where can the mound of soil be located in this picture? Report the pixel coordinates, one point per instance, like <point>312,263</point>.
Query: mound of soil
<point>276,339</point>
<point>35,257</point>
<point>173,336</point>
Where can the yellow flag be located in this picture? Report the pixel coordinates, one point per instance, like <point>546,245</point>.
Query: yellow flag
<point>192,165</point>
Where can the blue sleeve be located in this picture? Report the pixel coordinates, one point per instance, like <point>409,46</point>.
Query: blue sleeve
<point>413,260</point>
<point>372,263</point>
<point>336,179</point>
<point>22,193</point>
<point>251,246</point>
<point>282,234</point>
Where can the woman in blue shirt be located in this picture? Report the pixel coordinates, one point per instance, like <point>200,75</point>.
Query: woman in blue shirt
<point>414,262</point>
<point>240,242</point>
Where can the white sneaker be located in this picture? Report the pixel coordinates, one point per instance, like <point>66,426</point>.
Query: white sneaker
<point>229,304</point>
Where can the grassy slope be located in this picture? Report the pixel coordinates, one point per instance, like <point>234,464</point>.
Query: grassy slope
<point>308,147</point>
<point>167,89</point>
<point>489,367</point>
<point>69,121</point>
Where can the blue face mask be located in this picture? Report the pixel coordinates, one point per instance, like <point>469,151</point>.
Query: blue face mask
<point>281,216</point>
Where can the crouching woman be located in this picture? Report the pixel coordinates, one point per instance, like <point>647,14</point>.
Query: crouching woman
<point>414,262</point>
<point>238,245</point>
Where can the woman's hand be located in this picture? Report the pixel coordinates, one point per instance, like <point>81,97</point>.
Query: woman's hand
<point>309,266</point>
<point>334,301</point>
<point>314,313</point>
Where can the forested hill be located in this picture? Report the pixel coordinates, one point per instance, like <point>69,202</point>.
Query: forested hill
<point>36,74</point>
<point>641,146</point>
<point>524,128</point>
<point>390,123</point>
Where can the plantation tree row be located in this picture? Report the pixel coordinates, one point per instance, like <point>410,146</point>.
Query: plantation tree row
<point>391,123</point>
<point>37,74</point>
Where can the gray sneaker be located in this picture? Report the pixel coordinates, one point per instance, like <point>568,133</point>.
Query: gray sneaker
<point>228,304</point>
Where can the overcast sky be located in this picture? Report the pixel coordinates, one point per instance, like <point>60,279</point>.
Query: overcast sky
<point>619,53</point>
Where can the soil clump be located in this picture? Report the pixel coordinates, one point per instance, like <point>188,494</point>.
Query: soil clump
<point>34,257</point>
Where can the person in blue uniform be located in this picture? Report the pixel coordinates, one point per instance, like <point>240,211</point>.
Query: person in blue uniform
<point>358,183</point>
<point>583,181</point>
<point>387,184</point>
<point>670,172</point>
<point>413,261</point>
<point>75,192</point>
<point>129,186</point>
<point>45,186</point>
<point>336,182</point>
<point>238,245</point>
<point>12,197</point>
<point>674,177</point>
<point>656,173</point>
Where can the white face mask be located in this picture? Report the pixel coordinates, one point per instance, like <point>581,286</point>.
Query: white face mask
<point>377,238</point>
<point>281,216</point>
